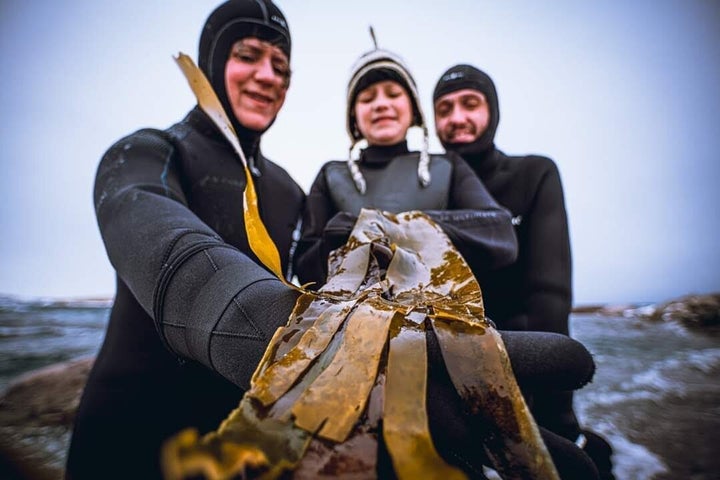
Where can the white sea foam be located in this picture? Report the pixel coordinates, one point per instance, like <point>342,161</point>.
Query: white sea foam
<point>632,461</point>
<point>666,376</point>
<point>606,398</point>
<point>705,360</point>
<point>677,328</point>
<point>654,380</point>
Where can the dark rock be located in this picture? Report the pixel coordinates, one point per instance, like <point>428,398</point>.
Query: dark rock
<point>690,310</point>
<point>695,311</point>
<point>36,415</point>
<point>591,308</point>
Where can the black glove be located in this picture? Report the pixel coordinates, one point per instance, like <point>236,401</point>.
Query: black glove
<point>540,360</point>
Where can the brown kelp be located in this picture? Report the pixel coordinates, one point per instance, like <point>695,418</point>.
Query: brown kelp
<point>354,353</point>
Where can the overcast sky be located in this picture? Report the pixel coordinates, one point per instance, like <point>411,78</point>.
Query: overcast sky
<point>622,94</point>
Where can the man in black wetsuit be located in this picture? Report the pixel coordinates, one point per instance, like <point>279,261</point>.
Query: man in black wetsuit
<point>535,292</point>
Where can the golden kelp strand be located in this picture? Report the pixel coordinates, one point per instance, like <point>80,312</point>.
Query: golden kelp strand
<point>336,399</point>
<point>307,308</point>
<point>351,272</point>
<point>259,239</point>
<point>245,442</point>
<point>405,424</point>
<point>407,272</point>
<point>265,361</point>
<point>282,442</point>
<point>186,456</point>
<point>282,374</point>
<point>282,409</point>
<point>480,369</point>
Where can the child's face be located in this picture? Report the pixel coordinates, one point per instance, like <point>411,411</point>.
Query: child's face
<point>383,112</point>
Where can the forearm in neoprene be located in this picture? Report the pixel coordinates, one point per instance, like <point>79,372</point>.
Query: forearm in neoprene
<point>221,309</point>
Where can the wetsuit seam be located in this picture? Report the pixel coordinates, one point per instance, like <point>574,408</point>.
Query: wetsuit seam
<point>180,236</point>
<point>260,334</point>
<point>166,276</point>
<point>237,335</point>
<point>247,317</point>
<point>172,324</point>
<point>217,332</point>
<point>497,216</point>
<point>213,332</point>
<point>210,259</point>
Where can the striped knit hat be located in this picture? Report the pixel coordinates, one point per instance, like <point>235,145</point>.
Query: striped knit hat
<point>372,67</point>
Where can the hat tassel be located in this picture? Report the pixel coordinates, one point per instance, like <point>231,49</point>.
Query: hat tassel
<point>424,163</point>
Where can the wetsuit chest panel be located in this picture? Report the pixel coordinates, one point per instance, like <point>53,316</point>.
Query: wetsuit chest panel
<point>214,182</point>
<point>393,188</point>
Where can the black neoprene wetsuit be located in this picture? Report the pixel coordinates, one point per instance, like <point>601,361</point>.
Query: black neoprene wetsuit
<point>530,188</point>
<point>193,312</point>
<point>477,225</point>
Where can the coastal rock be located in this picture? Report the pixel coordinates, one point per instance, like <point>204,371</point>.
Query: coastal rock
<point>695,311</point>
<point>36,414</point>
<point>45,397</point>
<point>690,310</point>
<point>622,310</point>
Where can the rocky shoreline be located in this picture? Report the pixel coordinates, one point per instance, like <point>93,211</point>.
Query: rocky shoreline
<point>693,311</point>
<point>37,409</point>
<point>36,415</point>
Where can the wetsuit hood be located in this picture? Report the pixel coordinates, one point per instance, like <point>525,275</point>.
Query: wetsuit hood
<point>228,23</point>
<point>464,76</point>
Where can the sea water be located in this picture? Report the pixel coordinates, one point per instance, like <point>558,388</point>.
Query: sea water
<point>645,367</point>
<point>37,333</point>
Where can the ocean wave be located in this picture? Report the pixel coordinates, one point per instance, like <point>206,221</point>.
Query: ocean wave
<point>669,376</point>
<point>30,331</point>
<point>632,460</point>
<point>19,304</point>
<point>614,397</point>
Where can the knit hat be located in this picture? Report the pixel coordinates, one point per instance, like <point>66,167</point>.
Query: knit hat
<point>464,76</point>
<point>372,67</point>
